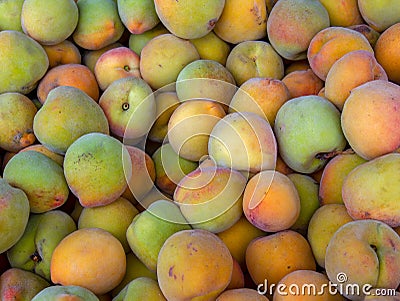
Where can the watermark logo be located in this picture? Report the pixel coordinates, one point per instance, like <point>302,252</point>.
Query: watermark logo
<point>342,287</point>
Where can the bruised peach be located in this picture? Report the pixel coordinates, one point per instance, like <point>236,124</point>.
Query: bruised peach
<point>302,82</point>
<point>386,52</point>
<point>341,78</point>
<point>330,44</point>
<point>99,256</point>
<point>274,256</point>
<point>370,118</point>
<point>74,75</point>
<point>367,31</point>
<point>193,264</point>
<point>271,201</point>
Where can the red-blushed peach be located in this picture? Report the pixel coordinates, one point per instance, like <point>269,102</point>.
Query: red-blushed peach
<point>190,125</point>
<point>369,191</point>
<point>63,53</point>
<point>302,82</point>
<point>114,64</point>
<point>242,20</point>
<point>90,57</point>
<point>367,31</point>
<point>305,285</point>
<point>241,294</point>
<point>333,175</point>
<point>99,24</point>
<point>156,66</point>
<point>194,265</point>
<point>271,201</point>
<point>341,78</point>
<point>343,13</point>
<point>138,16</point>
<point>99,256</point>
<point>261,95</point>
<point>212,47</point>
<point>370,118</point>
<point>238,237</point>
<point>323,224</point>
<point>210,197</point>
<point>293,23</point>
<point>363,252</point>
<point>386,52</point>
<point>250,59</point>
<point>330,44</point>
<point>379,14</point>
<point>271,257</point>
<point>74,75</point>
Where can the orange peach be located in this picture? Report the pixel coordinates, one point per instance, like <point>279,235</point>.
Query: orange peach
<point>370,118</point>
<point>237,279</point>
<point>386,52</point>
<point>261,95</point>
<point>238,237</point>
<point>297,66</point>
<point>272,257</point>
<point>333,175</point>
<point>302,82</point>
<point>241,294</point>
<point>293,23</point>
<point>62,53</point>
<point>330,44</point>
<point>74,75</point>
<point>99,256</point>
<point>271,201</point>
<point>367,31</point>
<point>343,13</point>
<point>341,78</point>
<point>282,167</point>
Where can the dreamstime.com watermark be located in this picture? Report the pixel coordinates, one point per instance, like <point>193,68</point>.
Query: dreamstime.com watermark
<point>311,289</point>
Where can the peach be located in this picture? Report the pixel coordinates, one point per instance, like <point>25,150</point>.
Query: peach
<point>261,95</point>
<point>386,52</point>
<point>282,167</point>
<point>343,13</point>
<point>243,141</point>
<point>44,150</point>
<point>293,23</point>
<point>241,294</point>
<point>250,59</point>
<point>99,256</point>
<point>302,82</point>
<point>300,65</point>
<point>330,44</point>
<point>136,42</point>
<point>271,201</point>
<point>333,175</point>
<point>238,237</point>
<point>212,47</point>
<point>63,53</point>
<point>237,279</point>
<point>17,112</point>
<point>242,21</point>
<point>44,22</point>
<point>74,75</point>
<point>365,252</point>
<point>193,265</point>
<point>370,118</point>
<point>371,34</point>
<point>210,197</point>
<point>325,221</point>
<point>190,125</point>
<point>341,78</point>
<point>138,16</point>
<point>90,57</point>
<point>99,24</point>
<point>156,64</point>
<point>205,79</point>
<point>379,15</point>
<point>142,288</point>
<point>10,19</point>
<point>114,64</point>
<point>66,293</point>
<point>187,19</point>
<point>369,190</point>
<point>305,285</point>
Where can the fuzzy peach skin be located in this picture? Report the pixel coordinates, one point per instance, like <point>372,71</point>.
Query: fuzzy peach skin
<point>387,54</point>
<point>74,75</point>
<point>271,201</point>
<point>302,82</point>
<point>380,14</point>
<point>370,119</point>
<point>367,31</point>
<point>62,53</point>
<point>274,256</point>
<point>330,44</point>
<point>343,13</point>
<point>341,78</point>
<point>292,24</point>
